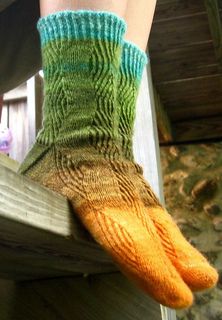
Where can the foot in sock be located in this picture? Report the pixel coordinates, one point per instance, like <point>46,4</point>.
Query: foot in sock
<point>192,266</point>
<point>77,153</point>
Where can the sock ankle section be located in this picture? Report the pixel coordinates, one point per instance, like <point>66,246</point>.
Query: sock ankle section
<point>81,53</point>
<point>133,62</point>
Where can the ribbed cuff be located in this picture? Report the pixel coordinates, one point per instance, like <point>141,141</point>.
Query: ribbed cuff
<point>81,25</point>
<point>133,60</point>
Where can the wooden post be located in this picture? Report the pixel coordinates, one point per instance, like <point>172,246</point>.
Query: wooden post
<point>1,104</point>
<point>146,148</point>
<point>215,25</point>
<point>34,103</point>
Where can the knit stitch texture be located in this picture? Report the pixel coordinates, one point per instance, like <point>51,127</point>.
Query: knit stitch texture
<point>78,153</point>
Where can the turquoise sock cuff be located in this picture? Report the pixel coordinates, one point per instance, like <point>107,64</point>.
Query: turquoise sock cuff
<point>81,25</point>
<point>133,60</point>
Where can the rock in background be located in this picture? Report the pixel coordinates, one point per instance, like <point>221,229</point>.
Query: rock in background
<point>192,177</point>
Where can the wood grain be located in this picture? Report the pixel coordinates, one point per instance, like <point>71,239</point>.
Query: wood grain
<point>19,93</point>
<point>181,63</point>
<point>185,113</point>
<point>198,130</point>
<point>191,92</point>
<point>163,121</point>
<point>183,32</point>
<point>40,234</point>
<point>105,297</point>
<point>1,104</point>
<point>18,123</point>
<point>177,9</point>
<point>8,162</point>
<point>215,24</point>
<point>34,106</point>
<point>5,3</point>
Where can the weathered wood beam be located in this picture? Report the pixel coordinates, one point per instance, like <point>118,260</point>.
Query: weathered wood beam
<point>215,24</point>
<point>34,104</point>
<point>163,121</point>
<point>9,163</point>
<point>104,297</point>
<point>39,234</point>
<point>5,3</point>
<point>19,93</point>
<point>204,129</point>
<point>1,104</point>
<point>190,113</point>
<point>188,31</point>
<point>173,64</point>
<point>191,92</point>
<point>174,9</point>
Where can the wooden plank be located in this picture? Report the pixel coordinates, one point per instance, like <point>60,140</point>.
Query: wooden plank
<point>215,24</point>
<point>19,93</point>
<point>18,124</point>
<point>34,102</point>
<point>181,112</point>
<point>165,1</point>
<point>7,290</point>
<point>105,297</point>
<point>5,3</point>
<point>182,63</point>
<point>185,31</point>
<point>191,92</point>
<point>198,130</point>
<point>40,234</point>
<point>8,162</point>
<point>177,9</point>
<point>163,121</point>
<point>1,104</point>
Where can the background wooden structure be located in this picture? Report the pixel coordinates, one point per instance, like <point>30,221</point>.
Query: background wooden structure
<point>186,58</point>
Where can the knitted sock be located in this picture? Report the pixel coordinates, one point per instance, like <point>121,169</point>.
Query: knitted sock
<point>77,155</point>
<point>192,266</point>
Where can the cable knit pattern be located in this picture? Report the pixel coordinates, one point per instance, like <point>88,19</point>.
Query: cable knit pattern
<point>192,266</point>
<point>78,152</point>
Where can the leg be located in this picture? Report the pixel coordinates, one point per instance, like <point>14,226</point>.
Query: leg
<point>116,6</point>
<point>139,17</point>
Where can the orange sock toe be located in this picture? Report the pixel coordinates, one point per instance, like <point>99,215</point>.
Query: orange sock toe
<point>138,253</point>
<point>190,263</point>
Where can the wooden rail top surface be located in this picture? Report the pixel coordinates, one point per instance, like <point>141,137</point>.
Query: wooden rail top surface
<point>39,234</point>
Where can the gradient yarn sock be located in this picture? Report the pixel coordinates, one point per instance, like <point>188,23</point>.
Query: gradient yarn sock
<point>78,154</point>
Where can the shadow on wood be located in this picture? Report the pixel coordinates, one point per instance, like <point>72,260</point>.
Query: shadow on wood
<point>39,233</point>
<point>100,297</point>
